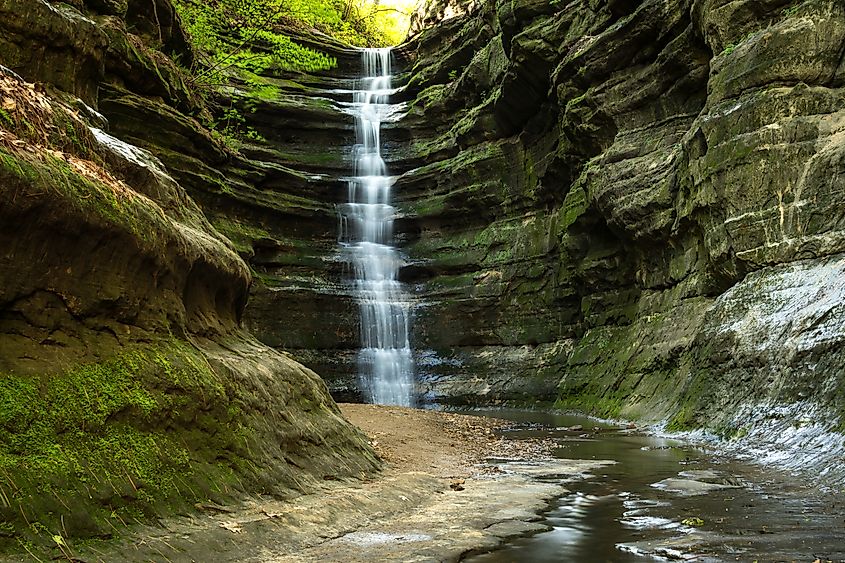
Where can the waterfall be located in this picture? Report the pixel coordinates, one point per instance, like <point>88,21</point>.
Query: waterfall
<point>385,364</point>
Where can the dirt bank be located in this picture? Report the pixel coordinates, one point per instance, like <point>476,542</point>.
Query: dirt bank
<point>437,499</point>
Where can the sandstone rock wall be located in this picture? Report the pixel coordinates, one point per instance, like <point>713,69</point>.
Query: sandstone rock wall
<point>128,385</point>
<point>631,208</point>
<point>586,189</point>
<point>274,198</point>
<point>627,208</point>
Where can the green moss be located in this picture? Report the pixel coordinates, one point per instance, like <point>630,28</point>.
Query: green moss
<point>6,119</point>
<point>790,11</point>
<point>315,158</point>
<point>49,425</point>
<point>41,172</point>
<point>242,235</point>
<point>690,403</point>
<point>574,205</point>
<point>12,165</point>
<point>605,407</point>
<point>117,439</point>
<point>682,419</point>
<point>577,100</point>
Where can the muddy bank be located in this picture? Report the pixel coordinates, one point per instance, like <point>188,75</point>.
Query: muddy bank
<point>437,499</point>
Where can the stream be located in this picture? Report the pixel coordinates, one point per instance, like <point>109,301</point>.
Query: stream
<point>664,499</point>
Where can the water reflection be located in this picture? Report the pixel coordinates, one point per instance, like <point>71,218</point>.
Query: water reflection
<point>713,509</point>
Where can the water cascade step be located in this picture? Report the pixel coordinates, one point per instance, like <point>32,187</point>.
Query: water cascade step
<point>385,363</point>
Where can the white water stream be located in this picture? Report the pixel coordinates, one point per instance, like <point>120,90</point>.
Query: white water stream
<point>385,364</point>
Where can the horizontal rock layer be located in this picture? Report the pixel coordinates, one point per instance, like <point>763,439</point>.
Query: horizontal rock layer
<point>585,190</point>
<point>129,388</point>
<point>638,204</point>
<point>627,208</point>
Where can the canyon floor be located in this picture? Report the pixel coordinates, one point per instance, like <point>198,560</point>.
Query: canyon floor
<point>439,498</point>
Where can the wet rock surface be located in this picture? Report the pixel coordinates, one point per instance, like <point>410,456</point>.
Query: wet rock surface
<point>632,209</point>
<point>637,203</point>
<point>594,201</point>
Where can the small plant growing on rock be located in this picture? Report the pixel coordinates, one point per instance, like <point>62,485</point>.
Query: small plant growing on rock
<point>790,11</point>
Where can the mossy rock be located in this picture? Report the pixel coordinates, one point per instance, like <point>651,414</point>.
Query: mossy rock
<point>149,432</point>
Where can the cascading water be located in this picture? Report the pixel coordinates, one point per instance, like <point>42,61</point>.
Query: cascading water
<point>385,364</point>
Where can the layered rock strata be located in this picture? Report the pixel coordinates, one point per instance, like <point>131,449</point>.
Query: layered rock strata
<point>128,385</point>
<point>632,208</point>
<point>595,200</point>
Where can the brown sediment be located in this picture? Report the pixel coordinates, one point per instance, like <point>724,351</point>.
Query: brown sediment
<point>438,498</point>
<point>444,444</point>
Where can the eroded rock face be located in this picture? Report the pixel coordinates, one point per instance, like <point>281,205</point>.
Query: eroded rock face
<point>53,43</point>
<point>581,187</point>
<point>128,385</point>
<point>636,199</point>
<point>629,208</point>
<point>275,199</point>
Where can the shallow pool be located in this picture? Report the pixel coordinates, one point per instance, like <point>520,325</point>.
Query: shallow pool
<point>667,500</point>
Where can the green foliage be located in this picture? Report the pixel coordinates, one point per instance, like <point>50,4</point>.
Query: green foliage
<point>232,127</point>
<point>255,34</point>
<point>269,37</point>
<point>245,34</point>
<point>6,119</point>
<point>292,55</point>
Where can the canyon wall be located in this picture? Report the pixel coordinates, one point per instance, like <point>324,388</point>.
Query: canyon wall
<point>634,209</point>
<point>631,209</point>
<point>129,388</point>
<point>628,208</point>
